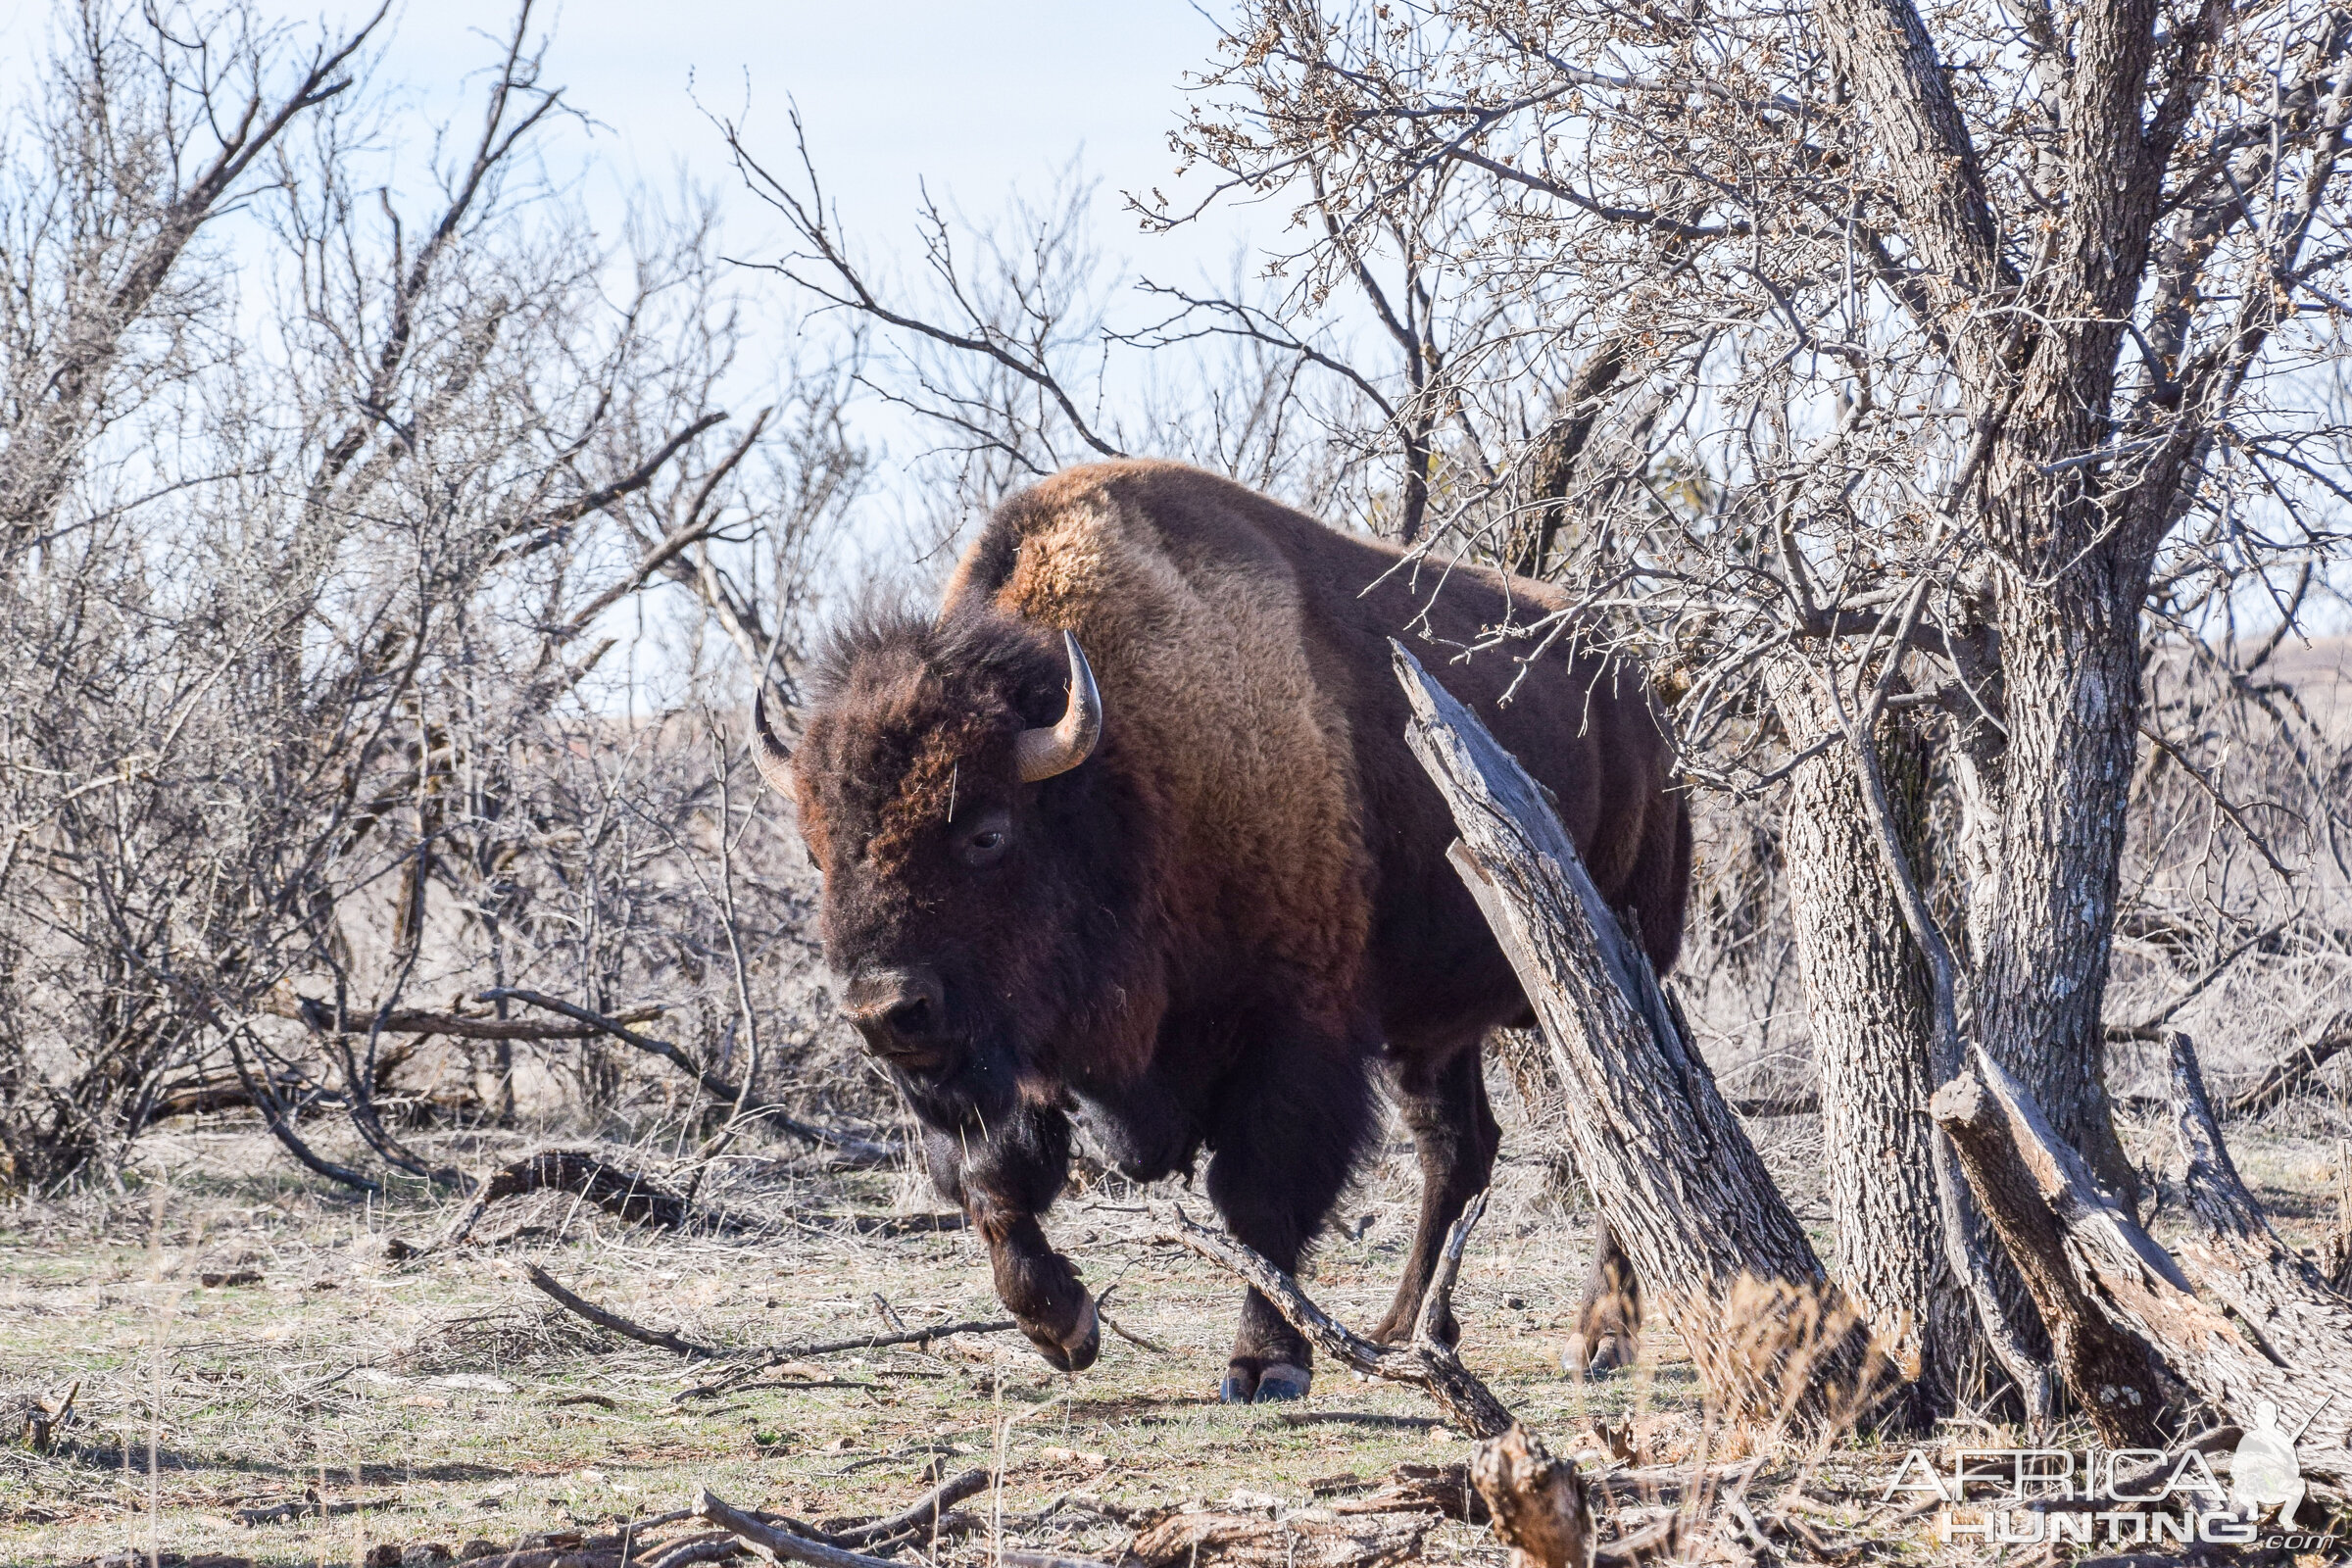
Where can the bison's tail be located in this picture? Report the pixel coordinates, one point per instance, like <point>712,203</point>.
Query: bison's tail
<point>1659,888</point>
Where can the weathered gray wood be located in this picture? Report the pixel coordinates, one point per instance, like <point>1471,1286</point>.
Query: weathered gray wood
<point>2132,1335</point>
<point>1668,1162</point>
<point>1870,1011</point>
<point>2057,1225</point>
<point>2270,1289</point>
<point>1537,1502</point>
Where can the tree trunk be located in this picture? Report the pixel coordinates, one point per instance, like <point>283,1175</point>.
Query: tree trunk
<point>1713,1243</point>
<point>2069,662</point>
<point>1868,1004</point>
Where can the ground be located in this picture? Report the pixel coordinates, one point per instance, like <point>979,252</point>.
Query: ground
<point>451,1402</point>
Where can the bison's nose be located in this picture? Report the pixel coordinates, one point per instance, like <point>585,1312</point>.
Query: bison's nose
<point>899,1011</point>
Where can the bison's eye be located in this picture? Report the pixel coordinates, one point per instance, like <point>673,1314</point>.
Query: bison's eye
<point>984,843</point>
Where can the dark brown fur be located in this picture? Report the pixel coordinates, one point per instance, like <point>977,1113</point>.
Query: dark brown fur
<point>1207,934</point>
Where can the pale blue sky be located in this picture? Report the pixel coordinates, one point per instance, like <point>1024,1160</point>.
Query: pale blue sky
<point>974,98</point>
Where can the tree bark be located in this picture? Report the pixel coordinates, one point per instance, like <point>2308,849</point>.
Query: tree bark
<point>1868,1005</point>
<point>1715,1246</point>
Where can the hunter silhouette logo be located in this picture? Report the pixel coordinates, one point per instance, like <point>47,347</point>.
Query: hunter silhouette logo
<point>2265,1472</point>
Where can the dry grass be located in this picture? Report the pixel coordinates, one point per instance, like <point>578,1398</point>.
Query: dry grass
<point>458,1404</point>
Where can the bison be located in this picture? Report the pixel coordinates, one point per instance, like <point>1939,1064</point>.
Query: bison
<point>1127,835</point>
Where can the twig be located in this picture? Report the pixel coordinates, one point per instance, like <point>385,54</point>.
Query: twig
<point>1113,1324</point>
<point>616,1323</point>
<point>876,1342</point>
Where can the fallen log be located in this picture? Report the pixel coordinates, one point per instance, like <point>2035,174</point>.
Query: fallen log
<point>2134,1339</point>
<point>1674,1171</point>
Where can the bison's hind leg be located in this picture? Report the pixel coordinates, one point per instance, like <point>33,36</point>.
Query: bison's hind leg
<point>1288,1127</point>
<point>1443,1099</point>
<point>1608,1320</point>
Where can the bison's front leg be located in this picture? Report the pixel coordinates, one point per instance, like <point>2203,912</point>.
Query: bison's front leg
<point>1004,1182</point>
<point>1287,1133</point>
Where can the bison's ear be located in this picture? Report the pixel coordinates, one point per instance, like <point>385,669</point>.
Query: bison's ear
<point>1044,753</point>
<point>772,755</point>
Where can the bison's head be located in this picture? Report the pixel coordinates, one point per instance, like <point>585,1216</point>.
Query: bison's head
<point>970,858</point>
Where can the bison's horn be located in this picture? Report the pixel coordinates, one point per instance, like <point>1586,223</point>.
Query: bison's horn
<point>1044,753</point>
<point>773,755</point>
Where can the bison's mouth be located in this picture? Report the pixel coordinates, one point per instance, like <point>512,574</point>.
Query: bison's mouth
<point>915,1061</point>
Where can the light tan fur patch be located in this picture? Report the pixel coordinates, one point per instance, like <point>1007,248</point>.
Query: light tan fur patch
<point>1203,664</point>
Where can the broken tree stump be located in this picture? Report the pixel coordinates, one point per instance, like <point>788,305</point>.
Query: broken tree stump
<point>1538,1502</point>
<point>2137,1343</point>
<point>1667,1159</point>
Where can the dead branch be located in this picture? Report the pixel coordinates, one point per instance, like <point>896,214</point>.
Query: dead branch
<point>616,1322</point>
<point>778,1543</point>
<point>1538,1503</point>
<point>1683,1188</point>
<point>876,1342</point>
<point>2036,1193</point>
<point>2285,1078</point>
<point>1444,1489</point>
<point>923,1511</point>
<point>1423,1362</point>
<point>319,1018</point>
<point>765,1356</point>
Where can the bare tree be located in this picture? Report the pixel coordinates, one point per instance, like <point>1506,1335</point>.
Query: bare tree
<point>357,571</point>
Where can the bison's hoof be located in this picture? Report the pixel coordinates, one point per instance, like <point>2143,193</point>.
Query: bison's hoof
<point>1282,1381</point>
<point>1075,1350</point>
<point>1611,1353</point>
<point>1238,1387</point>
